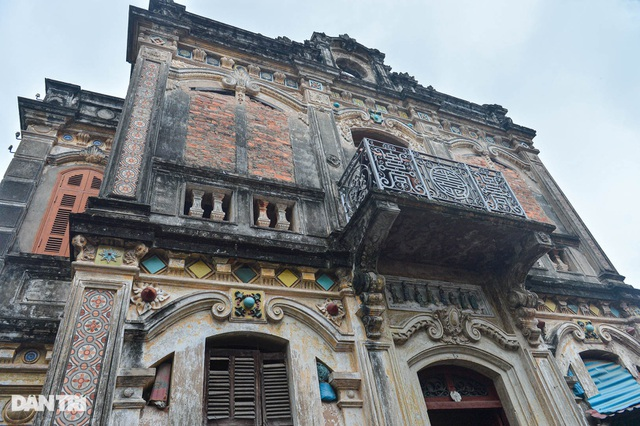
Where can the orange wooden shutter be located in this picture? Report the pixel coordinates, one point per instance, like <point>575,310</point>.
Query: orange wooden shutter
<point>72,191</point>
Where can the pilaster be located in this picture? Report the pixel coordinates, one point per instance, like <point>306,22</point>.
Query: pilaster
<point>89,341</point>
<point>135,138</point>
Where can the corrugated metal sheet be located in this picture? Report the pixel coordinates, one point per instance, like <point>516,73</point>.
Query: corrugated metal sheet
<point>618,390</point>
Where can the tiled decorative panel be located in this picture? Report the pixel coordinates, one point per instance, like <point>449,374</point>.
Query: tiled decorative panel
<point>325,281</point>
<point>234,270</point>
<point>424,116</point>
<point>287,278</point>
<point>154,264</point>
<point>315,85</point>
<point>245,274</point>
<point>107,255</point>
<point>200,269</point>
<point>87,354</point>
<point>213,61</point>
<point>290,83</point>
<point>130,164</point>
<point>184,53</point>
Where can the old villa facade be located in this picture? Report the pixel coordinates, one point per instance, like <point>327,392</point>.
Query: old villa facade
<point>268,232</point>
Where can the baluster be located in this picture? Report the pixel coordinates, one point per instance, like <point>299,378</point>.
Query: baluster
<point>196,208</point>
<point>217,213</point>
<point>281,219</point>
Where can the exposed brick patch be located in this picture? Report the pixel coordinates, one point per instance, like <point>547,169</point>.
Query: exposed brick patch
<point>269,149</point>
<point>211,139</point>
<point>522,192</point>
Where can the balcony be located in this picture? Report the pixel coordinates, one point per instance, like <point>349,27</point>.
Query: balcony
<point>409,213</point>
<point>392,168</point>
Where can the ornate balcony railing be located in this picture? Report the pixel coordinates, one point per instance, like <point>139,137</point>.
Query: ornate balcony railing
<point>393,168</point>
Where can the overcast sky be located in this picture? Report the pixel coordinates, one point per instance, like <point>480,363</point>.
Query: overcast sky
<point>570,70</point>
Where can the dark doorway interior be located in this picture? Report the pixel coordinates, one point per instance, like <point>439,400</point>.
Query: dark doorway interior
<point>468,417</point>
<point>458,396</point>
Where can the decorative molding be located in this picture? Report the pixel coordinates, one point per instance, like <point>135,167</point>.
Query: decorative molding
<point>87,249</point>
<point>451,325</point>
<point>429,295</point>
<point>349,119</point>
<point>277,307</point>
<point>241,82</point>
<point>495,151</point>
<point>370,287</point>
<point>523,304</point>
<point>608,333</point>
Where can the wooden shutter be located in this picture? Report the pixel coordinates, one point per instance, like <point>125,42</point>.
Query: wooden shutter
<point>247,388</point>
<point>72,191</point>
<point>275,390</point>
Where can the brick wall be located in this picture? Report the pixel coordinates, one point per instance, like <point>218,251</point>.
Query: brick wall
<point>268,146</point>
<point>211,136</point>
<point>518,185</point>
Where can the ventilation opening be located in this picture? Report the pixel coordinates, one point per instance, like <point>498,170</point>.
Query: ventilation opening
<point>75,180</point>
<point>274,214</point>
<point>214,204</point>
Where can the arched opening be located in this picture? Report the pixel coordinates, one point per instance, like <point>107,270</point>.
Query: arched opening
<point>247,381</point>
<point>351,69</point>
<point>459,396</point>
<point>71,193</point>
<point>378,135</point>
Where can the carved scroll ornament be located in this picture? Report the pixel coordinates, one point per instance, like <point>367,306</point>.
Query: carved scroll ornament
<point>450,325</point>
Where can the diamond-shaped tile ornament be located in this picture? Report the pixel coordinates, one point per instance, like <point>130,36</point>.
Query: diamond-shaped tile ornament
<point>107,255</point>
<point>154,264</point>
<point>245,274</point>
<point>287,278</point>
<point>325,281</point>
<point>199,269</point>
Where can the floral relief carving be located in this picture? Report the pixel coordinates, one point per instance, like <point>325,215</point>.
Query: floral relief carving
<point>333,310</point>
<point>147,296</point>
<point>240,81</point>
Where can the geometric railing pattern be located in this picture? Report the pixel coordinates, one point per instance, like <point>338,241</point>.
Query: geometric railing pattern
<point>393,168</point>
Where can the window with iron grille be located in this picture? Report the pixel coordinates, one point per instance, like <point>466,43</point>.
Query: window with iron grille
<point>247,387</point>
<point>73,189</point>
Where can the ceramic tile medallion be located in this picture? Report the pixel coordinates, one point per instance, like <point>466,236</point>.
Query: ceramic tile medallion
<point>84,364</point>
<point>128,169</point>
<point>315,85</point>
<point>107,255</point>
<point>247,305</point>
<point>424,116</point>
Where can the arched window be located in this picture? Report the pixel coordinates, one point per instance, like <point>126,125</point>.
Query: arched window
<point>70,195</point>
<point>247,383</point>
<point>381,136</point>
<point>459,396</point>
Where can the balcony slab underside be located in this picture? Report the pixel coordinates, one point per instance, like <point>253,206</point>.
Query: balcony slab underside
<point>392,230</point>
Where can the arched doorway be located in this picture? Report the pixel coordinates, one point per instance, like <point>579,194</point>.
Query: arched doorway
<point>460,396</point>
